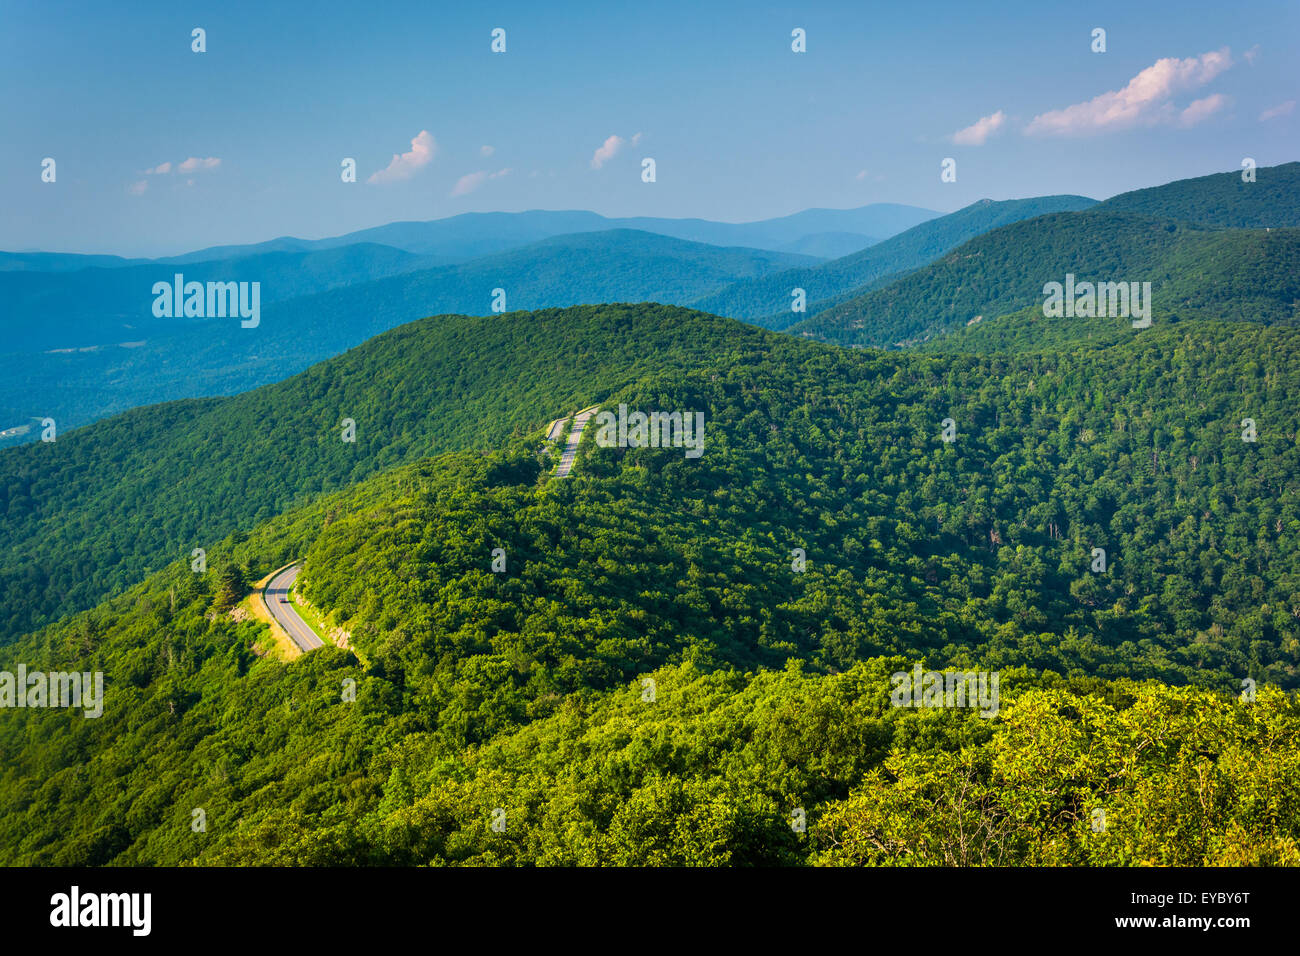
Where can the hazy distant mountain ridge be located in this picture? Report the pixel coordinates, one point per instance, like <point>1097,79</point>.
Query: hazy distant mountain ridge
<point>182,358</point>
<point>105,306</point>
<point>473,234</point>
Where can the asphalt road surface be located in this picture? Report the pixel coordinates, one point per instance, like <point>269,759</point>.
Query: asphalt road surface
<point>575,435</point>
<point>557,427</point>
<point>275,596</point>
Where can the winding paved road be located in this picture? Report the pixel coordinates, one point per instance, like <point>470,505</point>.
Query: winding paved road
<point>276,593</point>
<point>276,598</point>
<point>575,436</point>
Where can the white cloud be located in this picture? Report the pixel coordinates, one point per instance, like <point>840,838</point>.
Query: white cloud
<point>403,165</point>
<point>862,174</point>
<point>978,132</point>
<point>1145,101</point>
<point>1282,109</point>
<point>1202,109</point>
<point>469,182</point>
<point>1251,54</point>
<point>610,148</point>
<point>472,181</point>
<point>138,188</point>
<point>185,166</point>
<point>486,150</point>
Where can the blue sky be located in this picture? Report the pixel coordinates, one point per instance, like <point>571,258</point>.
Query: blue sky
<point>740,127</point>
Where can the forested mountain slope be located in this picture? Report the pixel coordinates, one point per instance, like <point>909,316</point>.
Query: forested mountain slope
<point>981,546</point>
<point>1223,200</point>
<point>767,300</point>
<point>1240,275</point>
<point>1144,235</point>
<point>522,690</point>
<point>94,510</point>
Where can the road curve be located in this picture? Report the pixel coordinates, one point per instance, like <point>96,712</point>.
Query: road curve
<point>575,436</point>
<point>275,596</point>
<point>554,430</point>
